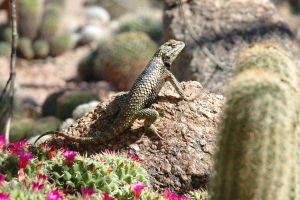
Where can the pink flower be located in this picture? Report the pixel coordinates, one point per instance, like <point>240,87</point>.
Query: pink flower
<point>42,177</point>
<point>63,150</point>
<point>4,196</point>
<point>2,141</point>
<point>109,152</point>
<point>172,196</point>
<point>37,186</point>
<point>54,195</point>
<point>23,160</point>
<point>134,157</point>
<point>17,147</point>
<point>107,197</point>
<point>21,174</point>
<point>137,189</point>
<point>69,156</point>
<point>2,179</point>
<point>87,192</point>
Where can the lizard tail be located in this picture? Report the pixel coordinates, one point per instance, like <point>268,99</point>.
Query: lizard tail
<point>68,137</point>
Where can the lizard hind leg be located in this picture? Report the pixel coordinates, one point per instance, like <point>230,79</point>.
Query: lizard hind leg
<point>113,107</point>
<point>150,116</point>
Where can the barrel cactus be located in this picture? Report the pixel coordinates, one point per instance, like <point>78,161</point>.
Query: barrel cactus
<point>142,23</point>
<point>25,48</point>
<point>40,48</point>
<point>257,153</point>
<point>5,49</point>
<point>60,44</point>
<point>29,17</point>
<point>51,22</point>
<point>122,58</point>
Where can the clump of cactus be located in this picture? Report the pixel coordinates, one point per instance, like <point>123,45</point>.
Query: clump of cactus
<point>142,23</point>
<point>29,15</point>
<point>69,101</point>
<point>258,151</point>
<point>41,48</point>
<point>25,48</point>
<point>28,127</point>
<point>51,22</point>
<point>83,109</point>
<point>122,58</point>
<point>60,44</point>
<point>5,49</point>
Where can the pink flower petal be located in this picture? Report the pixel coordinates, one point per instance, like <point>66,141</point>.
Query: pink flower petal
<point>4,196</point>
<point>54,195</point>
<point>134,157</point>
<point>172,196</point>
<point>36,186</point>
<point>2,179</point>
<point>23,160</point>
<point>69,156</point>
<point>137,189</point>
<point>17,147</point>
<point>107,197</point>
<point>2,141</point>
<point>87,192</point>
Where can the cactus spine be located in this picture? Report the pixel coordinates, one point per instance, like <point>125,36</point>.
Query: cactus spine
<point>257,153</point>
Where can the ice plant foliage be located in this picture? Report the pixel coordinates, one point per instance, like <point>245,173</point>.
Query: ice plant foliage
<point>137,189</point>
<point>4,196</point>
<point>23,160</point>
<point>172,196</point>
<point>87,192</point>
<point>54,195</point>
<point>69,156</point>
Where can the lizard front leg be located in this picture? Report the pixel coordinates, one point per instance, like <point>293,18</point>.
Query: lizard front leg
<point>172,79</point>
<point>150,116</point>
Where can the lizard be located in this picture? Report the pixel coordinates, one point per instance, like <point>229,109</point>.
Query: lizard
<point>135,104</point>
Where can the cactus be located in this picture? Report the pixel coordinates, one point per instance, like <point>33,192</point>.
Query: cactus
<point>29,17</point>
<point>122,58</point>
<point>51,22</point>
<point>25,48</point>
<point>60,44</point>
<point>83,109</point>
<point>147,24</point>
<point>5,49</point>
<point>27,127</point>
<point>7,35</point>
<point>69,101</point>
<point>41,48</point>
<point>85,68</point>
<point>257,151</point>
<point>269,56</point>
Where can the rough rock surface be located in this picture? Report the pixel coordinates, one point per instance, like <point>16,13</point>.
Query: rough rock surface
<point>183,158</point>
<point>224,28</point>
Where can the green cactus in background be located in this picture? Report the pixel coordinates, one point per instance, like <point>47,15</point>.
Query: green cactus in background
<point>69,101</point>
<point>29,17</point>
<point>60,44</point>
<point>269,56</point>
<point>257,154</point>
<point>61,3</point>
<point>7,35</point>
<point>41,48</point>
<point>26,127</point>
<point>51,22</point>
<point>122,58</point>
<point>142,23</point>
<point>25,48</point>
<point>5,49</point>
<point>85,70</point>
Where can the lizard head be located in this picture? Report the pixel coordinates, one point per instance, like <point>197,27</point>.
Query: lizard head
<point>169,51</point>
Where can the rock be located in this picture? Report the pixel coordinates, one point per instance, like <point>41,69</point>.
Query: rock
<point>224,28</point>
<point>67,123</point>
<point>93,33</point>
<point>97,13</point>
<point>183,158</point>
<point>83,109</point>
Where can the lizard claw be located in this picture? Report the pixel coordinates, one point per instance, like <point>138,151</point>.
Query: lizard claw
<point>151,129</point>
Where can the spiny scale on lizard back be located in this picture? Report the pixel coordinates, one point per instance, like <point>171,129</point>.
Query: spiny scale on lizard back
<point>146,88</point>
